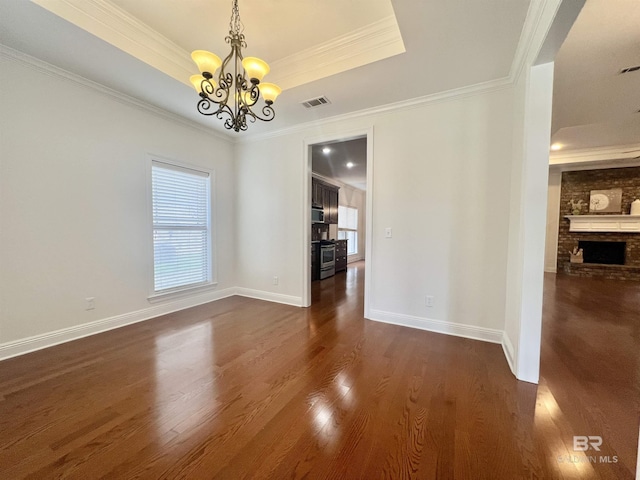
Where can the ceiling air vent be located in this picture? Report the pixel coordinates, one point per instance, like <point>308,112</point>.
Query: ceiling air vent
<point>316,102</point>
<point>630,69</point>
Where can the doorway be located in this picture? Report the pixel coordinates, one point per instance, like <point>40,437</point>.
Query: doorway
<point>337,185</point>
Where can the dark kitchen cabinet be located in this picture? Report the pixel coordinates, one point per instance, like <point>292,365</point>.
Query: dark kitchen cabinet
<point>328,212</point>
<point>326,195</point>
<point>333,205</point>
<point>317,193</point>
<point>341,255</point>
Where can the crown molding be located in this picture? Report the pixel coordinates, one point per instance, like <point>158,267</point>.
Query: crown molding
<point>616,152</point>
<point>48,69</point>
<point>456,93</point>
<point>531,21</point>
<point>616,156</point>
<point>110,23</point>
<point>368,44</point>
<point>530,28</point>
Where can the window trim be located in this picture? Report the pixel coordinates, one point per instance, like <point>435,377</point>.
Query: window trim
<point>355,230</point>
<point>168,294</point>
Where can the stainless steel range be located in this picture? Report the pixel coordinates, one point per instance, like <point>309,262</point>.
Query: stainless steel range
<point>327,259</point>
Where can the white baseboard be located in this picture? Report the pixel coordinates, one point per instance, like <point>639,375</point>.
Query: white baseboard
<point>49,339</point>
<point>439,326</point>
<point>269,296</point>
<point>38,342</point>
<point>507,347</point>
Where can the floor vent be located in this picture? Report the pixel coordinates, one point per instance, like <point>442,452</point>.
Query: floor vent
<point>630,69</point>
<point>316,102</point>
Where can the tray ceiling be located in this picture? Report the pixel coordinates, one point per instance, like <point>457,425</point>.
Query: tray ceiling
<point>353,49</point>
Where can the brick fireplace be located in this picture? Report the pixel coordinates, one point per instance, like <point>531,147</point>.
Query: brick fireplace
<point>606,254</point>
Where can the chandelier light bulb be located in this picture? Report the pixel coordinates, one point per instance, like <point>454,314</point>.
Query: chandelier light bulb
<point>255,68</point>
<point>207,62</point>
<point>270,92</point>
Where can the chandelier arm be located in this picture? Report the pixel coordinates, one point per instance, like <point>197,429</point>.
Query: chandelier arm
<point>237,101</point>
<point>225,113</point>
<point>207,89</point>
<point>250,95</point>
<point>225,79</point>
<point>206,86</point>
<point>205,106</point>
<point>222,92</point>
<point>268,112</point>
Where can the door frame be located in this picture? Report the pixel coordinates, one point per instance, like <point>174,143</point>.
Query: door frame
<point>366,132</point>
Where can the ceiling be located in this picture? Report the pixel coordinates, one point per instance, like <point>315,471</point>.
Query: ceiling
<point>361,54</point>
<point>594,105</point>
<point>203,24</point>
<point>348,51</point>
<point>334,163</point>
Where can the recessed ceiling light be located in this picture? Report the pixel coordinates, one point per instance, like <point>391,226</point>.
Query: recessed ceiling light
<point>350,164</point>
<point>326,150</point>
<point>556,146</point>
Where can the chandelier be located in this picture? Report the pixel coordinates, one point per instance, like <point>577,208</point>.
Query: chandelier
<point>229,95</point>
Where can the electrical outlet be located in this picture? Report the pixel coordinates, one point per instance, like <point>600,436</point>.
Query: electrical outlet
<point>275,280</point>
<point>388,232</point>
<point>90,303</point>
<point>429,301</point>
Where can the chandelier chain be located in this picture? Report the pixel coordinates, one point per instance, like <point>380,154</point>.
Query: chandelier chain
<point>235,24</point>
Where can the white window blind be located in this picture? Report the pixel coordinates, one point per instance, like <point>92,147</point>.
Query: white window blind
<point>348,228</point>
<point>180,199</point>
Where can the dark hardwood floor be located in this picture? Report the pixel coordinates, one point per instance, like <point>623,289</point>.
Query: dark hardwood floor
<point>242,388</point>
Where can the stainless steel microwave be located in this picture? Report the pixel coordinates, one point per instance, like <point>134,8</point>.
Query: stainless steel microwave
<point>317,215</point>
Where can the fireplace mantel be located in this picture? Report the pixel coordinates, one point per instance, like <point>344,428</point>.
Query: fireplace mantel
<point>604,223</point>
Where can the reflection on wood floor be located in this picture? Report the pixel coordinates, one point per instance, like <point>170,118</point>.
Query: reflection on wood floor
<point>242,388</point>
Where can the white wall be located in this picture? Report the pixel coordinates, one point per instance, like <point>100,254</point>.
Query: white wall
<point>73,205</point>
<point>553,222</point>
<point>440,181</point>
<point>269,207</point>
<point>531,134</point>
<point>516,212</point>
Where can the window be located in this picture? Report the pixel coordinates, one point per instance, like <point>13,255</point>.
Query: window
<point>181,230</point>
<point>348,228</point>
